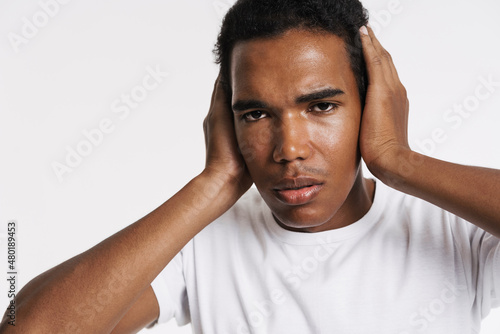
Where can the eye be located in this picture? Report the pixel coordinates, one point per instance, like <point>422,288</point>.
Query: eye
<point>324,107</point>
<point>253,116</point>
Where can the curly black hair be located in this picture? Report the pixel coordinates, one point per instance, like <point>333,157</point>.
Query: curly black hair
<point>249,19</point>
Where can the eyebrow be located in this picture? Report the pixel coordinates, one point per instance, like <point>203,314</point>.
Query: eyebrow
<point>321,94</point>
<point>242,105</point>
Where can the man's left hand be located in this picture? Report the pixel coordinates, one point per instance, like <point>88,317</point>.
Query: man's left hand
<point>384,122</point>
<point>472,193</point>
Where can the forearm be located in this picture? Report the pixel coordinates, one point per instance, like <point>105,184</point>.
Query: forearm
<point>472,193</point>
<point>92,291</point>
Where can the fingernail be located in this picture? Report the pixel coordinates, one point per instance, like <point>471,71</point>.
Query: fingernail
<point>363,30</point>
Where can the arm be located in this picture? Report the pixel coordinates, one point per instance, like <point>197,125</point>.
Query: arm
<point>472,193</point>
<point>142,314</point>
<point>118,271</point>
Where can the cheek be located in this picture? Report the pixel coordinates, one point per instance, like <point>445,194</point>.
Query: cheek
<point>338,141</point>
<point>254,142</point>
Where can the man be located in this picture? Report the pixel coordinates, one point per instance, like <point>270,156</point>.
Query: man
<point>319,248</point>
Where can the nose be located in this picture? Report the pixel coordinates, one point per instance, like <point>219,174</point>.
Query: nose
<point>292,140</point>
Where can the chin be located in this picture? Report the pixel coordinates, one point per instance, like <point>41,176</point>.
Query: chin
<point>302,219</point>
<point>311,217</point>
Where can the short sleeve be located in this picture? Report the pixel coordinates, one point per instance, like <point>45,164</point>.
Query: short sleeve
<point>487,250</point>
<point>481,255</point>
<point>170,290</point>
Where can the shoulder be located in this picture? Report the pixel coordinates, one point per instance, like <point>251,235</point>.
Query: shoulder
<point>244,208</point>
<point>422,217</point>
<point>245,214</point>
<point>396,203</point>
<point>236,234</point>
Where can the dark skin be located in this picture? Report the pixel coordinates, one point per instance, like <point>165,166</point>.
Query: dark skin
<point>309,126</point>
<point>299,135</point>
<point>295,136</point>
<point>472,193</point>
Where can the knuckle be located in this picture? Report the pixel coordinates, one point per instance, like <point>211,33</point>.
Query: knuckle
<point>388,92</point>
<point>376,60</point>
<point>403,90</point>
<point>386,55</point>
<point>400,89</point>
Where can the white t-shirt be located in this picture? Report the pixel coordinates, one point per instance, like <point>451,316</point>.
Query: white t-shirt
<point>406,267</point>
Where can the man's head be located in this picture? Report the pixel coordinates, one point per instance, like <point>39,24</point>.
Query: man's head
<point>297,106</point>
<point>251,19</point>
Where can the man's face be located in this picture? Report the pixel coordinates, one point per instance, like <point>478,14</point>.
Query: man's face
<point>297,115</point>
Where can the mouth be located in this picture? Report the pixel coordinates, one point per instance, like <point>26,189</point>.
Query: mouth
<point>297,191</point>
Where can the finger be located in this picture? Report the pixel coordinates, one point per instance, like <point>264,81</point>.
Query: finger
<point>372,58</point>
<point>384,54</point>
<point>214,92</point>
<point>385,57</point>
<point>211,109</point>
<point>220,103</point>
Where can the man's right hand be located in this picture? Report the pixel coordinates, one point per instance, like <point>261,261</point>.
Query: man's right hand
<point>223,159</point>
<point>62,299</point>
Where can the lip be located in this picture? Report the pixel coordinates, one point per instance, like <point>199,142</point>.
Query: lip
<point>297,191</point>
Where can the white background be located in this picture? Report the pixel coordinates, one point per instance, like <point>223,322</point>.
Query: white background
<point>64,79</point>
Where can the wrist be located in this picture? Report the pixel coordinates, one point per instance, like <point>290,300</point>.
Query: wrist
<point>396,168</point>
<point>227,187</point>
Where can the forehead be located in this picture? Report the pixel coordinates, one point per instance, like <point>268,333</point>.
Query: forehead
<point>291,64</point>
